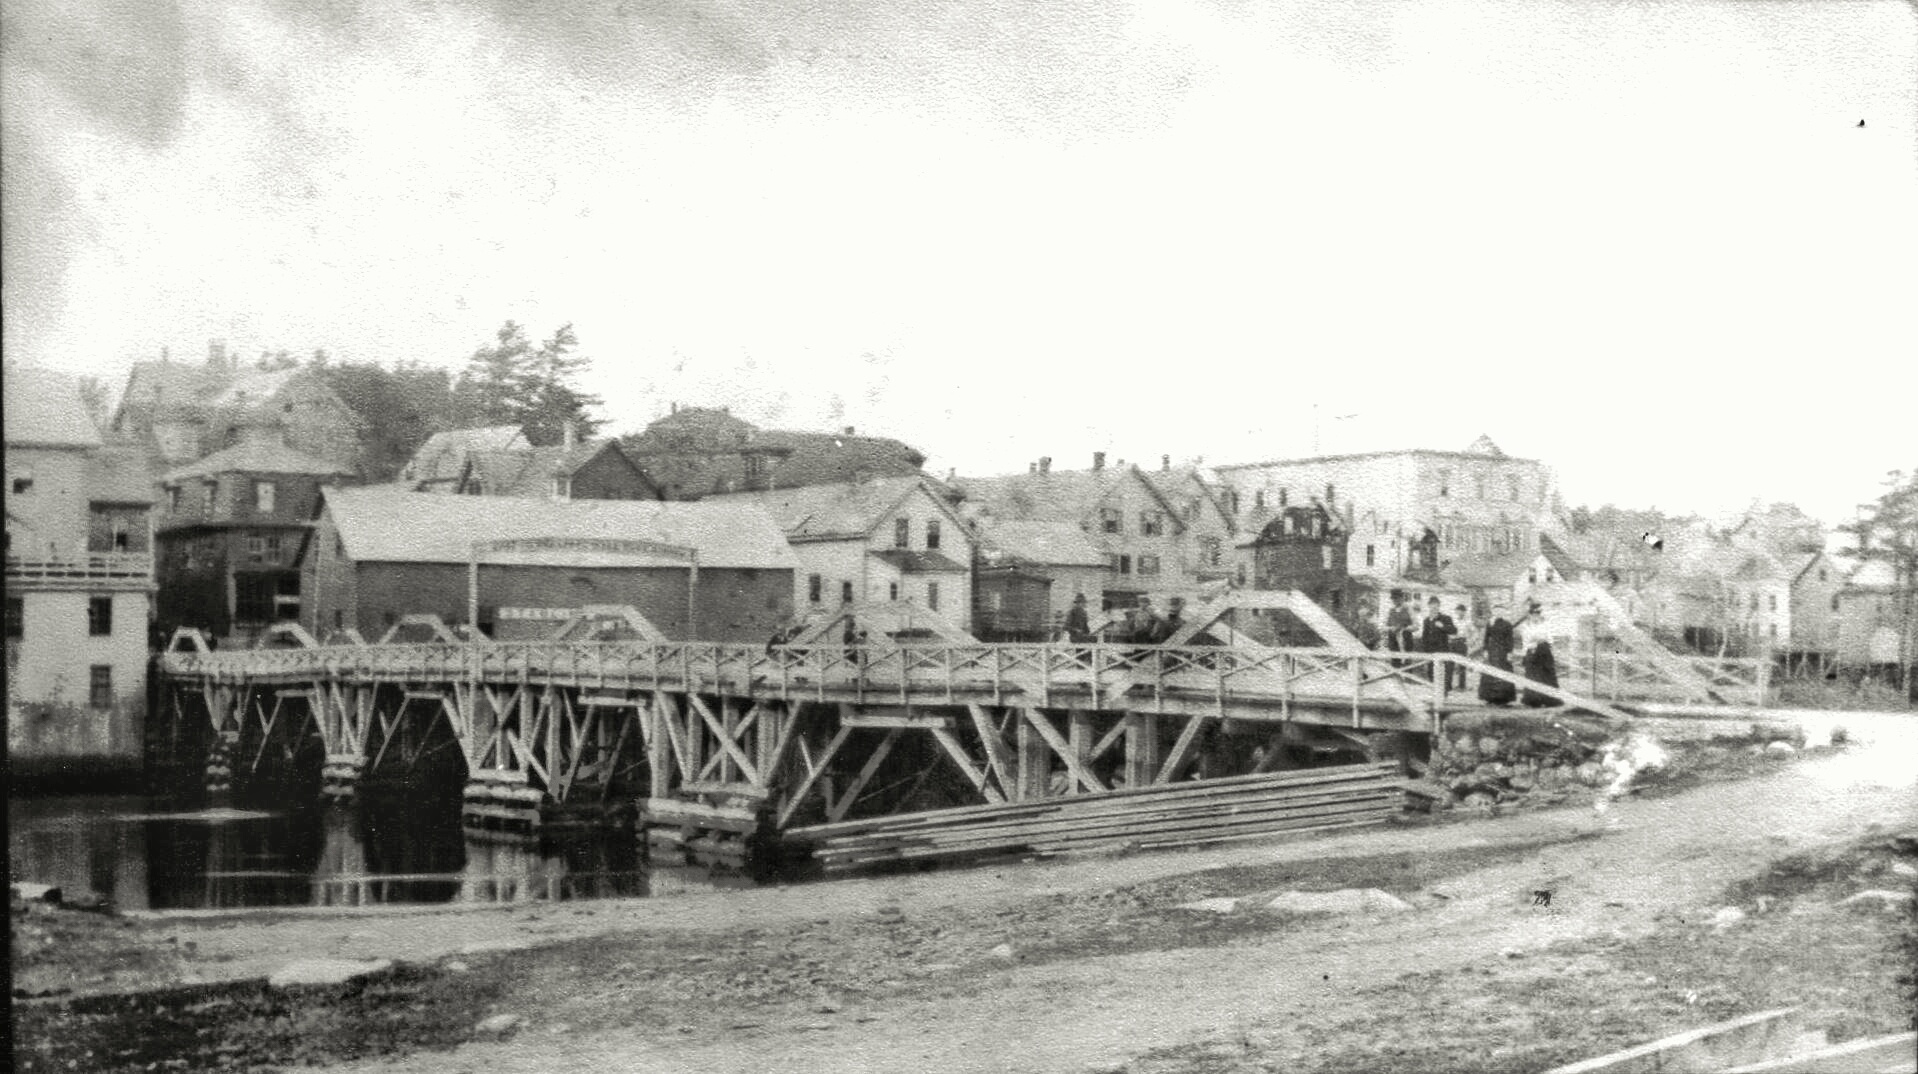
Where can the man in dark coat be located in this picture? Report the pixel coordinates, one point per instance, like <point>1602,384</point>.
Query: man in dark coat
<point>1078,627</point>
<point>1436,634</point>
<point>1499,641</point>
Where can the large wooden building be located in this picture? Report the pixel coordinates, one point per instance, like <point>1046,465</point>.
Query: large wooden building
<point>79,585</point>
<point>705,571</point>
<point>230,530</point>
<point>182,411</point>
<point>889,539</point>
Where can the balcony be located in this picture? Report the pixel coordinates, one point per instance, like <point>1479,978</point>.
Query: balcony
<point>89,570</point>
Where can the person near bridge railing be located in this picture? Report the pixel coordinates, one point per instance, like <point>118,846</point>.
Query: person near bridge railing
<point>1540,667</point>
<point>1435,636</point>
<point>1460,644</point>
<point>1078,627</point>
<point>1496,649</point>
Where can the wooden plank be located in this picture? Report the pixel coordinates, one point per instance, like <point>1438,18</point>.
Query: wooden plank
<point>1141,748</point>
<point>819,769</point>
<point>996,755</point>
<point>726,742</point>
<point>674,812</point>
<point>731,790</point>
<point>851,793</point>
<point>1063,748</point>
<point>608,701</point>
<point>1177,758</point>
<point>976,775</point>
<point>916,721</point>
<point>1376,774</point>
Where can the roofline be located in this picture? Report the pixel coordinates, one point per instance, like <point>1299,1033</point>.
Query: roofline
<point>1131,467</point>
<point>1373,455</point>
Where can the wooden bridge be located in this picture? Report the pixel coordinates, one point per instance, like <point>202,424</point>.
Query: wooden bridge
<point>751,740</point>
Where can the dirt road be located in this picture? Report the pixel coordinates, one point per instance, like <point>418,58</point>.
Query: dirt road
<point>1643,862</point>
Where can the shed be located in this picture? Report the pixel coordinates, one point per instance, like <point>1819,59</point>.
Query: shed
<point>702,571</point>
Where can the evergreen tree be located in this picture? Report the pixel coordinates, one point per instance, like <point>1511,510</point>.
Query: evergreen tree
<point>513,382</point>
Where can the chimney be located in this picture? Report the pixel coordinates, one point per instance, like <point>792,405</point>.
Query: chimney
<point>1165,464</point>
<point>849,431</point>
<point>215,354</point>
<point>1032,467</point>
<point>569,434</point>
<point>1045,464</point>
<point>675,409</point>
<point>1098,460</point>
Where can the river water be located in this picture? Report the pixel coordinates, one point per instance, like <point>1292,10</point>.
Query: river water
<point>147,853</point>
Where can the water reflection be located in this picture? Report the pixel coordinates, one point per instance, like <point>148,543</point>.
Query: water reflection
<point>147,854</point>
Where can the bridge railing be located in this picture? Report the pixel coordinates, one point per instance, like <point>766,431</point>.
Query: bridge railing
<point>1043,674</point>
<point>1626,676</point>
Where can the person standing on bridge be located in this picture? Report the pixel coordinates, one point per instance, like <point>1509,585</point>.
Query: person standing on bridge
<point>1398,626</point>
<point>1496,650</point>
<point>1461,645</point>
<point>1540,667</point>
<point>1436,637</point>
<point>1078,627</point>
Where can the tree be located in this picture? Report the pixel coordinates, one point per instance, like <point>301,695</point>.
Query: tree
<point>512,382</point>
<point>1886,531</point>
<point>400,408</point>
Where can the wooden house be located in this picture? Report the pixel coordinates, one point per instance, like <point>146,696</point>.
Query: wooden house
<point>1028,574</point>
<point>229,534</point>
<point>706,571</point>
<point>698,451</point>
<point>79,585</point>
<point>1870,617</point>
<point>1126,517</point>
<point>891,539</point>
<point>182,411</point>
<point>499,462</point>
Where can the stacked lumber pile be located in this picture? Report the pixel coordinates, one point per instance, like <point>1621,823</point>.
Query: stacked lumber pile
<point>1180,814</point>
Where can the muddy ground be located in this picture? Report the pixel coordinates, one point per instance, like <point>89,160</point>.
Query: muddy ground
<point>1069,965</point>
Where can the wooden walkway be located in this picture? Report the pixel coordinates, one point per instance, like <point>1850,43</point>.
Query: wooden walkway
<point>731,742</point>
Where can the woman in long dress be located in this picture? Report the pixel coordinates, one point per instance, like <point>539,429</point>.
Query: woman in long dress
<point>1498,653</point>
<point>1540,667</point>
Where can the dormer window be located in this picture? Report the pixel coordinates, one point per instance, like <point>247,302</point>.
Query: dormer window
<point>264,495</point>
<point>562,488</point>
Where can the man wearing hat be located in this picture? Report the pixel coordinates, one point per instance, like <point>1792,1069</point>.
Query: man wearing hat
<point>1436,635</point>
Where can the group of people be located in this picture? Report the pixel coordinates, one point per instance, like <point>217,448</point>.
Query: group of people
<point>1494,642</point>
<point>1140,624</point>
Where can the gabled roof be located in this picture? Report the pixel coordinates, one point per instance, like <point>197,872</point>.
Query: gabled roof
<point>844,511</point>
<point>388,526</point>
<point>1058,495</point>
<point>1041,542</point>
<point>44,409</point>
<point>249,387</point>
<point>530,471</point>
<point>120,474</point>
<point>255,457</point>
<point>443,456</point>
<point>1189,482</point>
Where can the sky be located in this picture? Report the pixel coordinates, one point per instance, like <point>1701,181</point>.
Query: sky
<point>1647,242</point>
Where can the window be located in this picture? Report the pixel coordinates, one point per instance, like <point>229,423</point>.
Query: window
<point>99,616</point>
<point>901,534</point>
<point>1209,551</point>
<point>1122,564</point>
<point>1258,499</point>
<point>1773,629</point>
<point>1479,481</point>
<point>1148,564</point>
<point>1834,602</point>
<point>815,588</point>
<point>1511,486</point>
<point>255,547</point>
<point>1109,520</point>
<point>755,467</point>
<point>173,499</point>
<point>892,591</point>
<point>339,547</point>
<point>17,616</point>
<point>100,686</point>
<point>1445,482</point>
<point>932,595</point>
<point>1151,523</point>
<point>932,533</point>
<point>339,619</point>
<point>22,483</point>
<point>1325,557</point>
<point>206,501</point>
<point>264,494</point>
<point>562,488</point>
<point>1371,555</point>
<point>845,592</point>
<point>1330,492</point>
<point>273,546</point>
<point>1821,574</point>
<point>1771,602</point>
